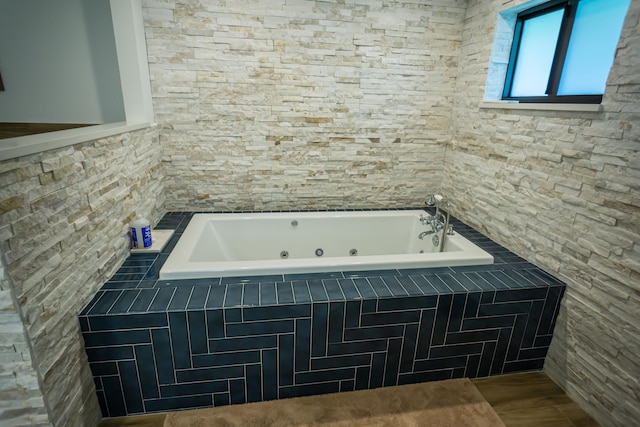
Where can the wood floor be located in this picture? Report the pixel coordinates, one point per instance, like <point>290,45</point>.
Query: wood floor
<point>14,130</point>
<point>521,400</point>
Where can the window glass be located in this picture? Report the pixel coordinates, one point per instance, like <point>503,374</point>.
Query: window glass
<point>562,51</point>
<point>535,55</point>
<point>592,46</point>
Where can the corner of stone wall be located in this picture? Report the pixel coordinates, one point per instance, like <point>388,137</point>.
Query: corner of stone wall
<point>21,401</point>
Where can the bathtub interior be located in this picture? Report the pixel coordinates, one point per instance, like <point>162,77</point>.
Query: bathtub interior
<point>258,244</point>
<point>246,237</point>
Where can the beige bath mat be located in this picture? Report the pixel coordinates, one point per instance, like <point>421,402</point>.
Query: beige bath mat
<point>450,403</point>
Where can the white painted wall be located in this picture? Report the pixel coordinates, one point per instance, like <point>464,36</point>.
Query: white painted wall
<point>58,63</point>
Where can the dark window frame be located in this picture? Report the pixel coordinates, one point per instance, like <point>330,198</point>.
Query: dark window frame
<point>570,7</point>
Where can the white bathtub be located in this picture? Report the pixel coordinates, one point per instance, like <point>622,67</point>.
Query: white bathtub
<point>226,245</point>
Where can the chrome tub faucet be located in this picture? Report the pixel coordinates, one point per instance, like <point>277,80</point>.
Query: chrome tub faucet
<point>439,221</point>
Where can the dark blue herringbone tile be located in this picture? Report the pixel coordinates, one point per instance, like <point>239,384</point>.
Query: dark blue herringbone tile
<point>131,387</point>
<point>176,403</point>
<point>501,351</point>
<point>259,328</point>
<point>407,303</point>
<point>318,293</point>
<point>222,345</point>
<point>334,291</point>
<point>268,295</point>
<point>388,331</point>
<point>284,292</point>
<point>517,335</point>
<point>198,341</point>
<point>162,299</point>
<point>421,377</point>
<point>162,355</point>
<point>379,287</point>
<point>409,285</point>
<point>147,372</point>
<point>286,352</point>
<point>197,332</point>
<point>336,321</point>
<point>198,298</point>
<point>499,309</point>
<point>349,289</point>
<point>114,397</point>
<point>452,283</point>
<point>99,369</point>
<point>116,338</point>
<point>364,288</point>
<point>486,358</point>
<point>128,321</point>
<point>356,347</point>
<point>425,332</point>
<point>473,303</point>
<point>325,375</point>
<point>456,314</point>
<point>302,342</point>
<point>104,302</point>
<point>409,342</point>
<point>533,322</point>
<point>425,287</point>
<point>254,339</point>
<point>233,296</point>
<point>394,286</point>
<point>319,329</point>
<point>209,373</point>
<point>253,382</point>
<point>215,299</point>
<point>233,315</point>
<point>98,354</point>
<point>437,283</point>
<point>390,318</point>
<point>343,361</point>
<point>309,389</point>
<point>180,298</point>
<point>215,323</point>
<point>204,387</point>
<point>270,374</point>
<point>301,292</point>
<point>436,364</point>
<point>550,311</point>
<point>442,319</point>
<point>352,314</point>
<point>471,336</point>
<point>362,377</point>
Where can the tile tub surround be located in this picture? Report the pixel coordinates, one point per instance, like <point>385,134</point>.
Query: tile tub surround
<point>163,345</point>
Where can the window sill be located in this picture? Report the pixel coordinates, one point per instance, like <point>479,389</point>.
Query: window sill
<point>11,148</point>
<point>588,108</point>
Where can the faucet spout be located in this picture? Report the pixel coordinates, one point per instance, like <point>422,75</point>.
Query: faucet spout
<point>425,233</point>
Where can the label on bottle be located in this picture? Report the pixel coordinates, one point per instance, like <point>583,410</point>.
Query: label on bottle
<point>134,237</point>
<point>141,236</point>
<point>146,236</point>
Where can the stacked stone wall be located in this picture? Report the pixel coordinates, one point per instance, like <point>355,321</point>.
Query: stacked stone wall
<point>21,401</point>
<point>302,104</point>
<point>562,189</point>
<point>64,217</point>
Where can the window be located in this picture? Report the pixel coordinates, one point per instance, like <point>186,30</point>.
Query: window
<point>562,51</point>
